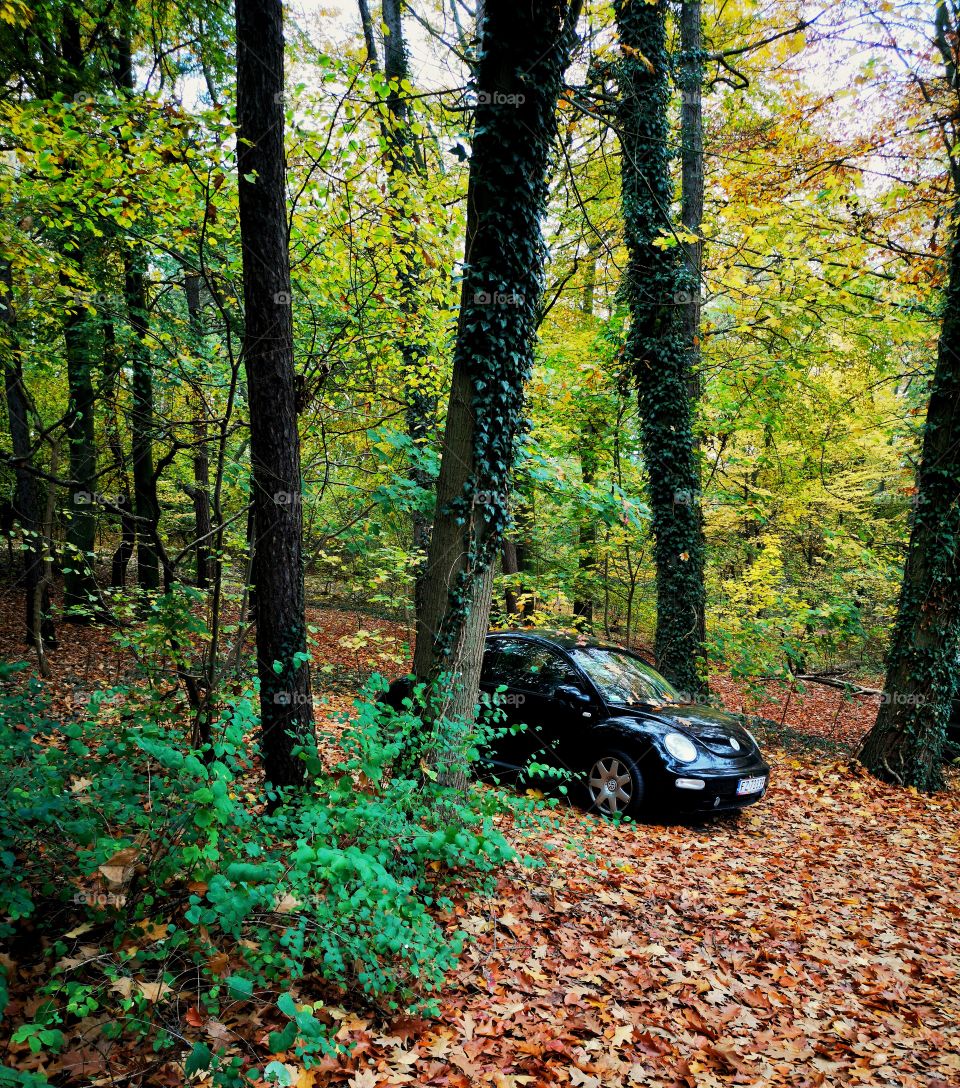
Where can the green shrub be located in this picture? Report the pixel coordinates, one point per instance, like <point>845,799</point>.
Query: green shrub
<point>187,878</point>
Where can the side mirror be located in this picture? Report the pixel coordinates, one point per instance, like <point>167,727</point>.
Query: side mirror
<point>570,693</point>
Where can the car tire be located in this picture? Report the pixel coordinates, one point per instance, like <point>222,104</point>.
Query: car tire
<point>613,785</point>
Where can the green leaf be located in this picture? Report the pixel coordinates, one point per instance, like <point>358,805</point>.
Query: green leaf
<point>198,1059</point>
<point>239,988</point>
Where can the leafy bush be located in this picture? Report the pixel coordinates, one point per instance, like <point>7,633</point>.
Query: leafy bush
<point>188,879</point>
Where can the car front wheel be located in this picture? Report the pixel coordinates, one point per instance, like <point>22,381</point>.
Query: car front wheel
<point>614,785</point>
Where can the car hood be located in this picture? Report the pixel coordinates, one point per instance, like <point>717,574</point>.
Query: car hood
<point>703,722</point>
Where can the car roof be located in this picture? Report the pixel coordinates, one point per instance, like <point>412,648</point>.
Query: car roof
<point>565,639</point>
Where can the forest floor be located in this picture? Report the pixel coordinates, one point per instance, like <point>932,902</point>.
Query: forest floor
<point>813,940</point>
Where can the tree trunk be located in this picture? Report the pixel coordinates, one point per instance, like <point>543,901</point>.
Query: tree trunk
<point>906,744</point>
<point>128,530</point>
<point>524,53</point>
<point>286,712</point>
<point>516,558</point>
<point>26,506</point>
<point>589,463</point>
<point>587,529</point>
<point>201,456</point>
<point>81,595</point>
<point>145,503</point>
<point>692,184</point>
<point>405,169</point>
<point>690,82</point>
<point>655,350</point>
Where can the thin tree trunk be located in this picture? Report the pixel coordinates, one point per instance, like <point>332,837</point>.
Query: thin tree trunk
<point>655,350</point>
<point>146,505</point>
<point>692,184</point>
<point>286,712</point>
<point>516,558</point>
<point>524,54</point>
<point>145,502</point>
<point>81,596</point>
<point>128,530</point>
<point>201,455</point>
<point>405,170</point>
<point>42,590</point>
<point>369,40</point>
<point>589,464</point>
<point>38,618</point>
<point>906,745</point>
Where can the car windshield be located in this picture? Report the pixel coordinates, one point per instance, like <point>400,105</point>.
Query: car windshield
<point>622,679</point>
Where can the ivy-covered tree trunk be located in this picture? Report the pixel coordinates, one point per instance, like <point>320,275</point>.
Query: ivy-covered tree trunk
<point>906,744</point>
<point>39,625</point>
<point>655,351</point>
<point>524,52</point>
<point>286,712</point>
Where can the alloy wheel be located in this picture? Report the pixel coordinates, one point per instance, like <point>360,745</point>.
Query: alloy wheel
<point>611,785</point>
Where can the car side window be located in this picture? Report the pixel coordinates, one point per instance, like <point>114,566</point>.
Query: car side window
<point>521,663</point>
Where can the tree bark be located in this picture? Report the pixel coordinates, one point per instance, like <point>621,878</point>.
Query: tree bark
<point>405,169</point>
<point>26,506</point>
<point>906,745</point>
<point>145,503</point>
<point>589,464</point>
<point>655,350</point>
<point>201,456</point>
<point>692,186</point>
<point>524,53</point>
<point>81,595</point>
<point>286,711</point>
<point>690,82</point>
<point>128,531</point>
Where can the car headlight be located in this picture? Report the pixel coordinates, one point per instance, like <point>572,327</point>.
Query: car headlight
<point>680,747</point>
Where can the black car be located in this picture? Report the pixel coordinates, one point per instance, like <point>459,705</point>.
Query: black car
<point>628,739</point>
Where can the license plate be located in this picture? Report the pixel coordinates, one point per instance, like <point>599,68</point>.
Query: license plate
<point>751,785</point>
